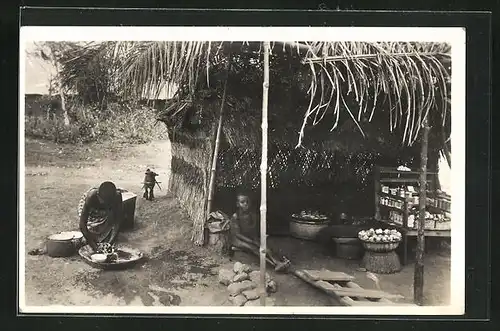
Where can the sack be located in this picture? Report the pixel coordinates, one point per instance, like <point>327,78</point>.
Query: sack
<point>218,222</point>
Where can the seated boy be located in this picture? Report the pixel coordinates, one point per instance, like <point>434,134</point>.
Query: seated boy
<point>245,231</point>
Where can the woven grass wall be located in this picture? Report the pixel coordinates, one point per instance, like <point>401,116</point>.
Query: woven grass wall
<point>332,173</point>
<point>191,158</point>
<point>305,178</point>
<point>331,180</point>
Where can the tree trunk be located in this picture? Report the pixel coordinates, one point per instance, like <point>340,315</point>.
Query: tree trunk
<point>63,107</point>
<point>61,94</point>
<point>446,151</point>
<point>433,166</point>
<point>418,280</point>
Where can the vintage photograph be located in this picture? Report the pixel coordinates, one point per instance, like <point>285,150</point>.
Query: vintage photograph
<point>242,170</point>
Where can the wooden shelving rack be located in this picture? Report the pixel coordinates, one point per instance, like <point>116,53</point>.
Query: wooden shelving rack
<point>391,176</point>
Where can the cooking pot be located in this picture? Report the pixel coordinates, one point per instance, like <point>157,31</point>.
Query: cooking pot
<point>64,244</point>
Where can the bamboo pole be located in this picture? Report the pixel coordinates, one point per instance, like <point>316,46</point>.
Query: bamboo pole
<point>263,178</point>
<point>418,278</point>
<point>211,186</point>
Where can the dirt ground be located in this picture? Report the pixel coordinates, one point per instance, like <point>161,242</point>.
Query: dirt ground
<point>175,272</point>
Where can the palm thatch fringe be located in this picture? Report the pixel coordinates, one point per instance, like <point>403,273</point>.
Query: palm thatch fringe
<point>413,77</point>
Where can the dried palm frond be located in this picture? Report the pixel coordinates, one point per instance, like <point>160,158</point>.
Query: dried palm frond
<point>409,75</point>
<point>149,67</point>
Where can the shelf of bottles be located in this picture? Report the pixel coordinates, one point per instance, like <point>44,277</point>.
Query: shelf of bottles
<point>397,200</point>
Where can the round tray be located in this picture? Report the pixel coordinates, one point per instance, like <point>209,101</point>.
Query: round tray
<point>127,258</point>
<point>380,246</point>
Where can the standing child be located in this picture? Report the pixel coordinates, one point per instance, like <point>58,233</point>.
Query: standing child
<point>149,184</point>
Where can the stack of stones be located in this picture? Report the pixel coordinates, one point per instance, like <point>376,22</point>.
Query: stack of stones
<point>242,284</point>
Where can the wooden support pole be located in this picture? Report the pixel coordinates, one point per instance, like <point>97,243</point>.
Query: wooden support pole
<point>263,178</point>
<point>418,280</point>
<point>376,183</point>
<point>211,185</point>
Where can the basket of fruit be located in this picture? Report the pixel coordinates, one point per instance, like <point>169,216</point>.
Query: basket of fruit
<point>307,224</point>
<point>378,240</point>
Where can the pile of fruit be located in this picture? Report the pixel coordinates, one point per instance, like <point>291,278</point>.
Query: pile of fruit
<point>380,236</point>
<point>310,215</point>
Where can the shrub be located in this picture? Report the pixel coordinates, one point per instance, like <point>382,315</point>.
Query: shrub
<point>119,122</point>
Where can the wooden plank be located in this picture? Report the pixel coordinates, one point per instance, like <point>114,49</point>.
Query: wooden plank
<point>324,285</point>
<point>412,233</point>
<point>328,275</point>
<point>301,275</point>
<point>363,302</point>
<point>392,196</point>
<point>362,293</point>
<point>382,301</point>
<point>430,233</point>
<point>401,180</point>
<point>349,299</point>
<point>353,292</point>
<point>388,170</point>
<point>392,208</point>
<point>378,303</point>
<point>346,301</point>
<point>392,224</point>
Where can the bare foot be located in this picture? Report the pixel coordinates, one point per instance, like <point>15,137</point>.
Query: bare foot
<point>282,266</point>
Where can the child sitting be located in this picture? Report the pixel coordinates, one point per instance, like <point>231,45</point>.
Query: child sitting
<point>245,231</point>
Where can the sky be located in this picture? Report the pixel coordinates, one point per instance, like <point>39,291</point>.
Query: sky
<point>38,72</point>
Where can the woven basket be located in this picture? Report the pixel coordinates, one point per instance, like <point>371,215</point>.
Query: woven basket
<point>380,247</point>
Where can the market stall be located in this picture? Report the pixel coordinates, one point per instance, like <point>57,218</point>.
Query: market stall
<point>397,200</point>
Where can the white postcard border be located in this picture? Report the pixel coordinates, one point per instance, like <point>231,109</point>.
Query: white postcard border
<point>454,36</point>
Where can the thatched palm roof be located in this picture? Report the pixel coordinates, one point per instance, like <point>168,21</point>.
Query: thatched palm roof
<point>402,82</point>
<point>354,78</point>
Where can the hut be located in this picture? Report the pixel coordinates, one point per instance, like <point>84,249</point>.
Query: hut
<point>335,110</point>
